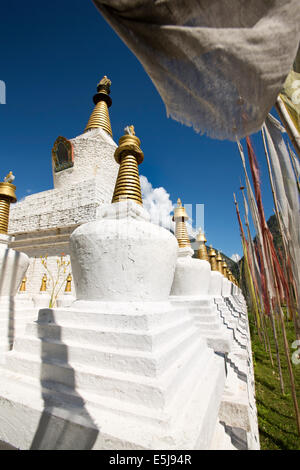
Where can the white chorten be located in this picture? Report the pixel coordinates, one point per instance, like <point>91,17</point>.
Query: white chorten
<point>121,368</point>
<point>84,175</point>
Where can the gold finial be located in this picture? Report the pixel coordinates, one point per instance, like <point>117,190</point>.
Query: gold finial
<point>104,84</point>
<point>180,217</point>
<point>102,101</point>
<point>7,196</point>
<point>9,178</point>
<point>68,283</point>
<point>202,250</point>
<point>224,268</point>
<point>129,130</point>
<point>23,285</point>
<point>44,284</point>
<point>212,258</point>
<point>219,261</point>
<point>128,155</point>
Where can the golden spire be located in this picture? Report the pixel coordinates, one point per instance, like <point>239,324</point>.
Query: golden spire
<point>102,101</point>
<point>7,196</point>
<point>224,268</point>
<point>212,258</point>
<point>180,216</point>
<point>129,156</point>
<point>44,284</point>
<point>68,283</point>
<point>202,250</point>
<point>219,261</point>
<point>23,285</point>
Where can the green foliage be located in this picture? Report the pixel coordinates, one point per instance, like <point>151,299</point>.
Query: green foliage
<point>276,418</point>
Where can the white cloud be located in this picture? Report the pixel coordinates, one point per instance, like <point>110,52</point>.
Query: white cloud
<point>235,257</point>
<point>159,205</point>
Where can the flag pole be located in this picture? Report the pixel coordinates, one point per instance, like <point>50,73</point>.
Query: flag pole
<point>288,124</point>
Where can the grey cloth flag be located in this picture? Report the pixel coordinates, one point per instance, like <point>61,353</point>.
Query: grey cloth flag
<point>218,65</point>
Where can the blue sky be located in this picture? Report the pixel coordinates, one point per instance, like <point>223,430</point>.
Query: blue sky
<point>52,54</point>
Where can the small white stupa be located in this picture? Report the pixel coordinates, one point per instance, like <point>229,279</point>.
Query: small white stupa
<point>191,284</point>
<point>15,309</point>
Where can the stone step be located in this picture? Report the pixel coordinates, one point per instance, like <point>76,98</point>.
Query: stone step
<point>116,358</point>
<point>108,382</point>
<point>197,303</point>
<point>120,425</point>
<point>117,318</point>
<point>207,326</point>
<point>205,318</point>
<point>143,340</point>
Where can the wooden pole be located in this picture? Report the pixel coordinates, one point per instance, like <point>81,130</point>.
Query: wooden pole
<point>288,124</point>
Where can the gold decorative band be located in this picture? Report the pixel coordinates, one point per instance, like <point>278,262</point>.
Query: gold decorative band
<point>100,118</point>
<point>181,234</point>
<point>202,252</point>
<point>128,181</point>
<point>4,215</point>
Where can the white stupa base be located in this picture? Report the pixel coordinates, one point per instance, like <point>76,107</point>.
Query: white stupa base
<point>238,408</point>
<point>41,300</point>
<point>232,321</point>
<point>65,300</point>
<point>207,320</point>
<point>192,275</point>
<point>15,313</point>
<point>221,439</point>
<point>111,375</point>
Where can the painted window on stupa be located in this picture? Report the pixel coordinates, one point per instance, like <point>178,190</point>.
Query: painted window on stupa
<point>62,154</point>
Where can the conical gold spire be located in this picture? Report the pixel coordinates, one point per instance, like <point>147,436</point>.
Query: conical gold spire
<point>212,258</point>
<point>102,100</point>
<point>43,287</point>
<point>202,250</point>
<point>23,285</point>
<point>180,216</point>
<point>224,268</point>
<point>7,196</point>
<point>129,156</point>
<point>219,261</point>
<point>68,283</point>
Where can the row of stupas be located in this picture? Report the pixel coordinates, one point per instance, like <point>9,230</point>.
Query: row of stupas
<point>151,349</point>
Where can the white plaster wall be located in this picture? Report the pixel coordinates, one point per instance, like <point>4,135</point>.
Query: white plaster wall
<point>93,158</point>
<point>216,282</point>
<point>226,287</point>
<point>13,265</point>
<point>58,208</point>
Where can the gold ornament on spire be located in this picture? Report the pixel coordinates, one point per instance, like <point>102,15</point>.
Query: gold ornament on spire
<point>23,285</point>
<point>68,283</point>
<point>7,196</point>
<point>224,268</point>
<point>43,287</point>
<point>219,261</point>
<point>202,250</point>
<point>102,100</point>
<point>180,217</point>
<point>128,155</point>
<point>212,258</point>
